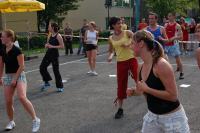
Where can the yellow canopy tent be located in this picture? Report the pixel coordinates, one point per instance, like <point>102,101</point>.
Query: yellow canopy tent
<point>10,6</point>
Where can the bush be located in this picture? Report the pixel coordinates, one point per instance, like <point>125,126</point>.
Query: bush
<point>104,34</point>
<point>35,42</point>
<point>38,41</point>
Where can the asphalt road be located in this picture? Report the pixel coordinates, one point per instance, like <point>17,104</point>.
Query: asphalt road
<point>86,105</point>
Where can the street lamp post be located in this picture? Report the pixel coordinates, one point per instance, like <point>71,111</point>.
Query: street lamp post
<point>108,5</point>
<point>137,13</point>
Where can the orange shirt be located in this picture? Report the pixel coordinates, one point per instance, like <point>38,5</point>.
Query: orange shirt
<point>142,26</point>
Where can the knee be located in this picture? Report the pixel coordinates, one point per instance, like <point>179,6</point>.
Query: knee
<point>42,68</point>
<point>22,98</point>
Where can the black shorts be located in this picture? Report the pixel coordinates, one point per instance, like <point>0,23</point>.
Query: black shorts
<point>90,47</point>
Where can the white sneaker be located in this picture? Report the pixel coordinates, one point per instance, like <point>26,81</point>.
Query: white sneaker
<point>95,73</point>
<point>90,72</point>
<point>11,125</point>
<point>36,125</point>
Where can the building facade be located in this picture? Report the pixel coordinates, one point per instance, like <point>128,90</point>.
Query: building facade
<point>19,22</point>
<point>94,10</point>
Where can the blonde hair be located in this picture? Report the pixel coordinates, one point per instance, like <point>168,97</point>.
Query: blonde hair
<point>152,45</point>
<point>93,24</point>
<point>10,34</point>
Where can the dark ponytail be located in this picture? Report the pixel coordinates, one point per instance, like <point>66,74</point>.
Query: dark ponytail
<point>55,27</point>
<point>154,46</point>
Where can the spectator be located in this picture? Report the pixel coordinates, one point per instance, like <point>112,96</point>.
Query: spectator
<point>192,34</point>
<point>198,50</point>
<point>165,21</point>
<point>82,35</point>
<point>68,39</point>
<point>124,25</point>
<point>185,30</point>
<point>142,24</point>
<point>16,42</point>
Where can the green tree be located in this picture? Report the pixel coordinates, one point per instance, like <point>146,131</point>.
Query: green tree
<point>54,10</point>
<point>163,7</point>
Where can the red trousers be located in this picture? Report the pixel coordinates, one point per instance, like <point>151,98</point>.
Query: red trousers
<point>124,68</point>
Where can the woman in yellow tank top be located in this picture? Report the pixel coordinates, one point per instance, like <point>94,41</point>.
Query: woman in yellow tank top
<point>120,42</point>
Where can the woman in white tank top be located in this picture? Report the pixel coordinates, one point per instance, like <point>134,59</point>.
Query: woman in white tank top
<point>91,40</point>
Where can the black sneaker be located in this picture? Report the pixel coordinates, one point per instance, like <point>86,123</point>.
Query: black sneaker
<point>119,114</point>
<point>181,76</point>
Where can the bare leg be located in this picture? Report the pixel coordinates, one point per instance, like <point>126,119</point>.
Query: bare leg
<point>89,59</point>
<point>21,92</point>
<point>9,93</point>
<point>93,58</point>
<point>198,57</point>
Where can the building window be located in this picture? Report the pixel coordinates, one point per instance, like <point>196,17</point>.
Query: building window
<point>123,3</point>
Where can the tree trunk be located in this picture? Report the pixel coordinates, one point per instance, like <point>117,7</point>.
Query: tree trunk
<point>38,22</point>
<point>47,24</point>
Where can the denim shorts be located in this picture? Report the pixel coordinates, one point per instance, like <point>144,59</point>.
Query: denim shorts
<point>7,80</point>
<point>176,122</point>
<point>173,50</point>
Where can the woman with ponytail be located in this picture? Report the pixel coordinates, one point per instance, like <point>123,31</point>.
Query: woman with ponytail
<point>157,83</point>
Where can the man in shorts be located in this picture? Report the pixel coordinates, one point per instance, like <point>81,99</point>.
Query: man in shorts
<point>174,33</point>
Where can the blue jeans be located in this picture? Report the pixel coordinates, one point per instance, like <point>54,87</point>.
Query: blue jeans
<point>81,47</point>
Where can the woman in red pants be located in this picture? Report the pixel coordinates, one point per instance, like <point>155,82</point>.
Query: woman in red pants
<point>127,64</point>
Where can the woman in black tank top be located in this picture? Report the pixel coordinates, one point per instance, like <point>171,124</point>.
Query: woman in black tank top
<point>157,83</point>
<point>55,42</point>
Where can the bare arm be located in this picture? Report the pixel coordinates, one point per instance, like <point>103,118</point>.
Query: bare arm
<point>165,73</point>
<point>72,34</point>
<point>130,35</point>
<point>97,36</point>
<point>20,59</point>
<point>110,51</point>
<point>165,37</point>
<point>135,91</point>
<point>85,37</point>
<point>1,67</point>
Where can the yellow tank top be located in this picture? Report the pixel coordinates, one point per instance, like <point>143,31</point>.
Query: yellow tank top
<point>123,54</point>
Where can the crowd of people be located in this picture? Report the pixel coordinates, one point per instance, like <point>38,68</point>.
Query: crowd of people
<point>154,79</point>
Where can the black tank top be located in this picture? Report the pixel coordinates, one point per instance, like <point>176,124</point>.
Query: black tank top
<point>157,105</point>
<point>53,52</point>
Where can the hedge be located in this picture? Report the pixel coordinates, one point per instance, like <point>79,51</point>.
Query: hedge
<point>39,41</point>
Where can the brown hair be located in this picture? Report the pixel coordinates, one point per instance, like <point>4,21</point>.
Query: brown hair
<point>55,27</point>
<point>10,34</point>
<point>152,45</point>
<point>172,13</point>
<point>153,14</point>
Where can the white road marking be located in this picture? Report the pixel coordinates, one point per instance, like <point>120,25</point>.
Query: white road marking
<point>112,76</point>
<point>69,62</point>
<point>185,85</point>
